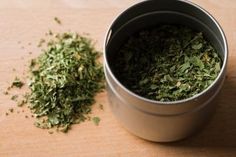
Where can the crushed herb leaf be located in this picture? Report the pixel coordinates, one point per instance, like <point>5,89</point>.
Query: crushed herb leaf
<point>11,110</point>
<point>41,42</point>
<point>167,63</point>
<point>17,83</point>
<point>50,32</point>
<point>6,93</point>
<point>58,21</point>
<point>21,103</point>
<point>64,80</point>
<point>14,97</point>
<point>96,120</point>
<point>101,107</point>
<point>88,118</point>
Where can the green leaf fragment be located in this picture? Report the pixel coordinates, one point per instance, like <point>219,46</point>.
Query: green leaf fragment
<point>11,110</point>
<point>96,120</point>
<point>14,97</point>
<point>5,92</point>
<point>17,83</point>
<point>153,86</point>
<point>196,61</point>
<point>58,21</point>
<point>101,106</point>
<point>21,102</point>
<point>184,66</point>
<point>217,68</point>
<point>197,46</point>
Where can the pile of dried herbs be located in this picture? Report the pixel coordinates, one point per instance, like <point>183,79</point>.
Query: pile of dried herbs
<point>167,63</point>
<point>65,78</point>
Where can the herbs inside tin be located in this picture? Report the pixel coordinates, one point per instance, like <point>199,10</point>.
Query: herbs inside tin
<point>64,81</point>
<point>167,63</point>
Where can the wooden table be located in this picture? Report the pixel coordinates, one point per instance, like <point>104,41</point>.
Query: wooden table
<point>24,22</point>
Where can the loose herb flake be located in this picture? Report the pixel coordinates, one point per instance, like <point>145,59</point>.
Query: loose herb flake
<point>101,106</point>
<point>11,110</point>
<point>41,42</point>
<point>21,102</point>
<point>50,32</point>
<point>57,20</point>
<point>96,120</point>
<point>14,97</point>
<point>6,93</point>
<point>17,83</point>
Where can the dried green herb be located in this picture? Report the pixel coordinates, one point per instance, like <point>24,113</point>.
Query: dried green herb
<point>41,42</point>
<point>58,21</point>
<point>17,83</point>
<point>14,97</point>
<point>167,63</point>
<point>101,107</point>
<point>21,102</point>
<point>96,120</point>
<point>6,93</point>
<point>50,32</point>
<point>11,110</point>
<point>64,81</point>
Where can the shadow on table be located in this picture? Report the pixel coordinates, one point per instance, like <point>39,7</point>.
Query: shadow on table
<point>221,130</point>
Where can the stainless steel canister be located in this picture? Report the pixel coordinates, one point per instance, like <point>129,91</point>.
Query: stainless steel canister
<point>155,120</point>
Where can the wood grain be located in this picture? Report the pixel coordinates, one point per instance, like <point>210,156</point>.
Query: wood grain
<point>27,21</point>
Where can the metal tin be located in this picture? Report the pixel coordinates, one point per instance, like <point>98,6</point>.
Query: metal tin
<point>155,120</point>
